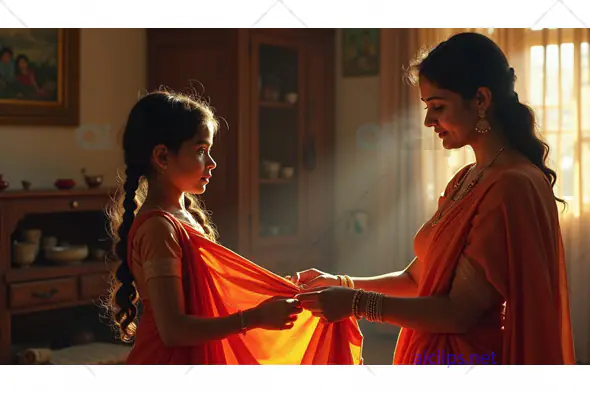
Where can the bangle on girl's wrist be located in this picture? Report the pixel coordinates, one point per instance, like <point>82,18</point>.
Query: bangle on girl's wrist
<point>243,323</point>
<point>356,301</point>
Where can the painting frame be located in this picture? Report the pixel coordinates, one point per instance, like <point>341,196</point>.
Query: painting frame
<point>65,110</point>
<point>361,52</point>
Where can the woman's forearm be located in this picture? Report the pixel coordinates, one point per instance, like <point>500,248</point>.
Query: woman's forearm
<point>431,314</point>
<point>397,284</point>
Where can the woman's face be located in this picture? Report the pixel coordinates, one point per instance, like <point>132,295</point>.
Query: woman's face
<point>452,117</point>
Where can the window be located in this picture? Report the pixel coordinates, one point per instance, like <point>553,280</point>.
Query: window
<point>559,92</point>
<point>553,69</point>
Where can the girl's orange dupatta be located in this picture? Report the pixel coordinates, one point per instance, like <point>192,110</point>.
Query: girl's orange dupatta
<point>218,282</point>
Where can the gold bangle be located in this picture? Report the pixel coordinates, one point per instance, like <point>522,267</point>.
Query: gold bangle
<point>356,300</point>
<point>371,307</point>
<point>372,314</point>
<point>243,325</point>
<point>374,307</point>
<point>349,281</point>
<point>380,308</point>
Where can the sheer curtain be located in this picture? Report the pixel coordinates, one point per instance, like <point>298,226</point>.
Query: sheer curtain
<point>410,155</point>
<point>553,71</point>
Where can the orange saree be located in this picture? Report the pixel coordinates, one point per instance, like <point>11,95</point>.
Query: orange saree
<point>508,226</point>
<point>218,282</point>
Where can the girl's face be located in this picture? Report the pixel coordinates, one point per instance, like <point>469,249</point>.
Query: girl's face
<point>22,65</point>
<point>190,169</point>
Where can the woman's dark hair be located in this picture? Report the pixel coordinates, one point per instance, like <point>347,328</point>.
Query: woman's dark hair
<point>467,61</point>
<point>164,118</point>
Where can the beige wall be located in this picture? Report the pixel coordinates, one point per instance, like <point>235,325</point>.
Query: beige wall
<point>357,176</point>
<point>113,71</point>
<point>357,103</point>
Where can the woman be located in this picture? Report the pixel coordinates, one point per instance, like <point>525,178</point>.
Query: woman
<point>488,283</point>
<point>202,304</point>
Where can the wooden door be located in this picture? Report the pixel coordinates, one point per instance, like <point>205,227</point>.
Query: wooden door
<point>205,61</point>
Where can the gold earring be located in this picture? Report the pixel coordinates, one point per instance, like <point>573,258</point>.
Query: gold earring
<point>483,125</point>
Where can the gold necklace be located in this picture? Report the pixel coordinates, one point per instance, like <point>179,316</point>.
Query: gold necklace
<point>458,186</point>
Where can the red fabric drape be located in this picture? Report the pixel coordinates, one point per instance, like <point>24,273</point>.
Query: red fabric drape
<point>218,282</point>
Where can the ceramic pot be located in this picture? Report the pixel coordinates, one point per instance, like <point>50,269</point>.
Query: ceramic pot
<point>24,254</point>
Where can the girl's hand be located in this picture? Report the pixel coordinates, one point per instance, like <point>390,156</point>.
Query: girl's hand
<point>277,313</point>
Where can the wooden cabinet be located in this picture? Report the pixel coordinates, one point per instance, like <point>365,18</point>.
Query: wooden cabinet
<point>272,194</point>
<point>76,216</point>
<point>36,293</point>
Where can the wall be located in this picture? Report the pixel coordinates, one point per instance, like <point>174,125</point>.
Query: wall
<point>357,180</point>
<point>357,104</point>
<point>113,72</point>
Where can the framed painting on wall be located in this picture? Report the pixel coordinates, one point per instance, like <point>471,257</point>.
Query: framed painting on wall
<point>39,77</point>
<point>360,52</point>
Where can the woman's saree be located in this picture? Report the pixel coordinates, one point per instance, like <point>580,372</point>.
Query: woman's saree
<point>509,226</point>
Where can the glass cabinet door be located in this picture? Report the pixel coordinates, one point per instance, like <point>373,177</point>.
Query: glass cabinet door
<point>278,119</point>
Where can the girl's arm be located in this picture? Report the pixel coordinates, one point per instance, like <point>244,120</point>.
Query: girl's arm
<point>161,255</point>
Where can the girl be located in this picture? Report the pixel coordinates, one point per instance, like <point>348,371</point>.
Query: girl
<point>167,150</point>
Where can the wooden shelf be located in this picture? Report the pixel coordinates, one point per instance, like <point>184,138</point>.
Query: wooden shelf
<point>43,272</point>
<point>76,192</point>
<point>277,104</point>
<point>76,284</point>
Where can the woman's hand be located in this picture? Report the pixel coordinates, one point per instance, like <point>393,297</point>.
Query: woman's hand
<point>314,278</point>
<point>330,304</point>
<point>277,313</point>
